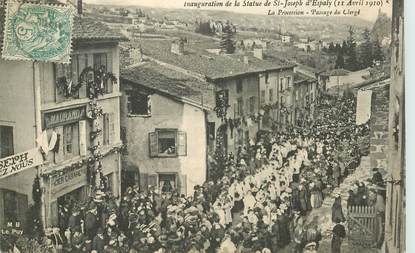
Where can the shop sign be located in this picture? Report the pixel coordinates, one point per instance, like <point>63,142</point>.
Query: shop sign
<point>68,178</point>
<point>63,117</point>
<point>16,163</point>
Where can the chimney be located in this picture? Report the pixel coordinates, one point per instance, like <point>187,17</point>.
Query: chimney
<point>136,55</point>
<point>79,6</point>
<point>177,47</point>
<point>258,53</point>
<point>246,59</point>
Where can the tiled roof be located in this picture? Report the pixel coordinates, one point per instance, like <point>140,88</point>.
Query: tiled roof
<point>83,29</point>
<point>300,77</point>
<point>337,72</point>
<point>198,60</point>
<point>171,82</point>
<point>88,29</point>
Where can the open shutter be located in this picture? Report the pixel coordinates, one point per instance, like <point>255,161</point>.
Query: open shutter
<point>148,104</point>
<point>183,184</point>
<point>82,64</point>
<point>143,180</point>
<point>82,138</point>
<point>181,143</point>
<point>109,69</point>
<point>152,180</point>
<point>153,145</point>
<point>111,119</point>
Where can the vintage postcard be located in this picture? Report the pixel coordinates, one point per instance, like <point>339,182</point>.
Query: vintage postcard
<point>202,126</point>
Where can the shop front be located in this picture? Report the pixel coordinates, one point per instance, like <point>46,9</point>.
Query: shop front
<point>68,186</point>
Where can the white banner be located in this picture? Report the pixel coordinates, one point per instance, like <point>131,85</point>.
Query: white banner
<point>363,108</point>
<point>16,163</point>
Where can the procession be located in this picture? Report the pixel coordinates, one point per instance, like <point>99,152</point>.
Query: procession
<point>259,204</point>
<point>146,129</point>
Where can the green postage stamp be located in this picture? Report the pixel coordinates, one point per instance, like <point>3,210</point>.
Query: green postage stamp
<point>38,32</point>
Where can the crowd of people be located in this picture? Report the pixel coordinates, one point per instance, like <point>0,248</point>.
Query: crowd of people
<point>259,204</point>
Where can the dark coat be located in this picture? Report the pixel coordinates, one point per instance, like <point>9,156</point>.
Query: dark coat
<point>98,244</point>
<point>91,222</point>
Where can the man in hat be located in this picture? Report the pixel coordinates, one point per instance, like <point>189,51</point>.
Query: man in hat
<point>98,242</point>
<point>74,219</point>
<point>377,178</point>
<point>339,232</point>
<point>91,221</point>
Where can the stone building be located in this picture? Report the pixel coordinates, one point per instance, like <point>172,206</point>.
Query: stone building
<point>164,122</point>
<point>395,223</point>
<point>37,106</point>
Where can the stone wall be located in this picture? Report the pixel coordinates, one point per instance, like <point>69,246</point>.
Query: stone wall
<point>379,127</point>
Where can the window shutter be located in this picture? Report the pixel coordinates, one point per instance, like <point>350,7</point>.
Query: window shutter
<point>75,139</point>
<point>82,64</point>
<point>181,143</point>
<point>148,104</point>
<point>82,138</point>
<point>143,180</point>
<point>109,69</point>
<point>183,184</point>
<point>152,180</point>
<point>111,128</point>
<point>153,145</point>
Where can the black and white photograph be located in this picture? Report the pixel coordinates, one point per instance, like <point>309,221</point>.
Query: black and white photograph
<point>202,126</point>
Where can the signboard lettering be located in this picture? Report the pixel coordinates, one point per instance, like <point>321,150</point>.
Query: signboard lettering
<point>19,162</point>
<point>59,118</point>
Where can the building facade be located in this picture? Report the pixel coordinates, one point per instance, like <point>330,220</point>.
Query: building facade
<point>164,121</point>
<point>395,223</point>
<point>54,106</point>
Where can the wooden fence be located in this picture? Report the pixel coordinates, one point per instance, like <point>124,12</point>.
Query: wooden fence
<point>364,225</point>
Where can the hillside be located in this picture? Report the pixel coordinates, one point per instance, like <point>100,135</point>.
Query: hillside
<point>326,28</point>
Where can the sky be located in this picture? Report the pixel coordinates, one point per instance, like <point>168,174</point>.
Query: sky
<point>368,13</point>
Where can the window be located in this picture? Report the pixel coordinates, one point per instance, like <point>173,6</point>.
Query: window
<point>266,77</point>
<point>167,182</point>
<point>6,141</point>
<point>222,98</point>
<point>71,140</point>
<point>167,142</point>
<point>104,60</point>
<point>262,97</point>
<point>271,95</point>
<point>240,107</point>
<point>281,84</point>
<point>211,130</point>
<point>239,86</point>
<point>138,103</point>
<point>240,140</point>
<point>70,73</point>
<point>289,82</point>
<point>252,104</point>
<point>106,128</point>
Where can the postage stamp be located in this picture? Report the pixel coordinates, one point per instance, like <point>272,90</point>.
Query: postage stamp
<point>38,32</point>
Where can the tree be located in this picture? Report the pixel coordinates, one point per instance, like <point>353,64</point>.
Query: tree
<point>378,54</point>
<point>351,62</point>
<point>339,61</point>
<point>227,43</point>
<point>365,50</point>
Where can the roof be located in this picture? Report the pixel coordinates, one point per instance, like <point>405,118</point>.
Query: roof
<point>337,72</point>
<point>300,77</point>
<point>90,29</point>
<point>83,29</point>
<point>196,59</point>
<point>170,82</point>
